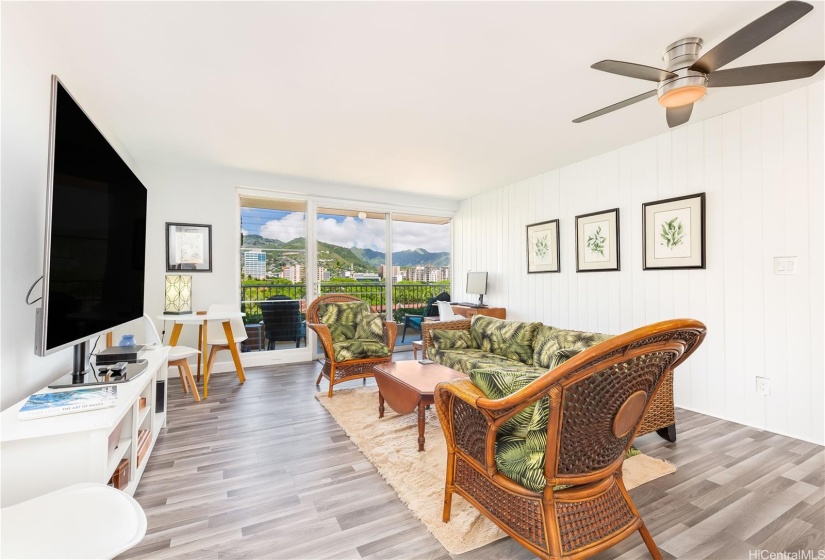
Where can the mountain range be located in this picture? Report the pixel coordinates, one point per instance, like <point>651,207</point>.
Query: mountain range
<point>346,258</point>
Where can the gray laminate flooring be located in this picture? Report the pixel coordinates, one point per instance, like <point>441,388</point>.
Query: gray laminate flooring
<point>262,471</point>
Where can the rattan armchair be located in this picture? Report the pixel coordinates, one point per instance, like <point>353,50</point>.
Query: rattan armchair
<point>597,400</point>
<point>339,371</point>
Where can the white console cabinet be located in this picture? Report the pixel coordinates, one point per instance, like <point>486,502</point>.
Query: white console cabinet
<point>45,454</point>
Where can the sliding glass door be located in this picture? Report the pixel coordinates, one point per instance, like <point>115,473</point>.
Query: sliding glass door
<point>420,270</point>
<point>273,267</point>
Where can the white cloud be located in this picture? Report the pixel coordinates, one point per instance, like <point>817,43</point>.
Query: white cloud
<point>287,228</point>
<point>364,234</point>
<point>409,235</point>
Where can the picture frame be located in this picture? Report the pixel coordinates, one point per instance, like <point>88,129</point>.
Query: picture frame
<point>673,233</point>
<point>598,246</point>
<point>543,252</point>
<point>188,247</point>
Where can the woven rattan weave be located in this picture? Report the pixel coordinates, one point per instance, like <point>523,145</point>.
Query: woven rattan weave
<point>335,371</point>
<point>586,394</point>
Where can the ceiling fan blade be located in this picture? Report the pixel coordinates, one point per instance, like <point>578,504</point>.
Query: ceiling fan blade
<point>678,115</point>
<point>615,106</point>
<point>633,70</point>
<point>751,36</point>
<point>764,73</point>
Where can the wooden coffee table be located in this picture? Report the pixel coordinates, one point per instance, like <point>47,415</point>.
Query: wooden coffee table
<point>407,385</point>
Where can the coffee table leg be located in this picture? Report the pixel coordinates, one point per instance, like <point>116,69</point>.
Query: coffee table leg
<point>380,405</point>
<point>421,408</point>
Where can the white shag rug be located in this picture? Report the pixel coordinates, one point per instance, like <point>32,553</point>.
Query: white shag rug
<point>391,445</point>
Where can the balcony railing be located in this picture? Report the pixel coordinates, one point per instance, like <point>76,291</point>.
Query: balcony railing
<point>407,298</point>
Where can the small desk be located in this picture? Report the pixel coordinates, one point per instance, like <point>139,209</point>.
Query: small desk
<point>203,335</point>
<point>468,312</point>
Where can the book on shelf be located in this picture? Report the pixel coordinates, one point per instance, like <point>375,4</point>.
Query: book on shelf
<point>42,405</point>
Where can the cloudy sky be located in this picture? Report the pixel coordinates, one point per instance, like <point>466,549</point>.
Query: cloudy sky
<point>346,231</point>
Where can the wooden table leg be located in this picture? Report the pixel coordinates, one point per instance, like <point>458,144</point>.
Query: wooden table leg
<point>233,348</point>
<point>380,405</point>
<point>200,341</point>
<point>421,407</point>
<point>173,340</point>
<point>204,333</point>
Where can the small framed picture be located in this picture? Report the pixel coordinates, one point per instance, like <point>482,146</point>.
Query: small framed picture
<point>543,247</point>
<point>188,247</point>
<point>673,233</point>
<point>597,241</point>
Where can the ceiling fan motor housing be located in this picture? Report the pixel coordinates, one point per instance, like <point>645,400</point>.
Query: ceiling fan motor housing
<point>689,85</point>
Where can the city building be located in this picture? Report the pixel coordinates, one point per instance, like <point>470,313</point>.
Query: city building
<point>254,264</point>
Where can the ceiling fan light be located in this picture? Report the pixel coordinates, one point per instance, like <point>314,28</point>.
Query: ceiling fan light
<point>682,96</point>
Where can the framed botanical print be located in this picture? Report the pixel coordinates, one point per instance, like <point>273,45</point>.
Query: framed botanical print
<point>543,247</point>
<point>188,247</point>
<point>597,241</point>
<point>673,233</point>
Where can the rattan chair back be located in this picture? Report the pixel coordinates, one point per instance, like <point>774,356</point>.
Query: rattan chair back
<point>312,310</point>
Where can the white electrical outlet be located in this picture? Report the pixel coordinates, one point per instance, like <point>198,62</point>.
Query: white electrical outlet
<point>763,386</point>
<point>784,265</point>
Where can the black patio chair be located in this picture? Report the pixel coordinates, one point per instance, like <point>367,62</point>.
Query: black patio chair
<point>430,310</point>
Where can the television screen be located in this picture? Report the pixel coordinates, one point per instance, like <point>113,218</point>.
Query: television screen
<point>95,232</point>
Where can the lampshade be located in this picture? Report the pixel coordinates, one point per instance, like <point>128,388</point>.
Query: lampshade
<point>178,294</point>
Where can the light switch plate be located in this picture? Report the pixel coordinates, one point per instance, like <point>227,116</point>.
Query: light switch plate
<point>784,265</point>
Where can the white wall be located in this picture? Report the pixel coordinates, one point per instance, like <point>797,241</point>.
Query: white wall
<point>29,58</point>
<point>762,170</point>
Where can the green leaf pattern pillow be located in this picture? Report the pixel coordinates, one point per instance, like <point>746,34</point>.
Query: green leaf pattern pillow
<point>549,340</point>
<point>511,339</point>
<point>342,318</point>
<point>444,339</point>
<point>370,327</point>
<point>521,442</point>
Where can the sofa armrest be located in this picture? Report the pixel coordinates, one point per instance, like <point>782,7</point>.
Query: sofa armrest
<point>429,326</point>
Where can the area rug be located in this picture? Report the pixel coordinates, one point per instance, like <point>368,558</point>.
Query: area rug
<point>391,445</point>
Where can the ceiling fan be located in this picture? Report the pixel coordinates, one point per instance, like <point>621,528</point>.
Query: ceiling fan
<point>688,76</point>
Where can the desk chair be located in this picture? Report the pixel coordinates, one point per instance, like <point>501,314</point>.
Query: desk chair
<point>218,335</point>
<point>445,312</point>
<point>178,357</point>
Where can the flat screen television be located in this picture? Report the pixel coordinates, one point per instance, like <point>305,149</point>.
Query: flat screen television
<point>93,262</point>
<point>477,284</point>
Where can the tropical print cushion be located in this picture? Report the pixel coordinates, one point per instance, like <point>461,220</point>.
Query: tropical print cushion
<point>466,360</point>
<point>562,356</point>
<point>549,340</point>
<point>342,318</point>
<point>444,339</point>
<point>511,339</point>
<point>521,442</point>
<point>359,349</point>
<point>370,327</point>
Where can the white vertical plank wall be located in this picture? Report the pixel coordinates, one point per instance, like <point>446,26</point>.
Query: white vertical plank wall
<point>762,170</point>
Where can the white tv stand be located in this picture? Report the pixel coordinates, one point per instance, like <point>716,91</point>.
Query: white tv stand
<point>45,454</point>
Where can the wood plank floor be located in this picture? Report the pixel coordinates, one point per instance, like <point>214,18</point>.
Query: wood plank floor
<point>262,471</point>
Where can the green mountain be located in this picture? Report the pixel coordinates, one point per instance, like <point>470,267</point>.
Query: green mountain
<point>369,256</point>
<point>416,257</point>
<point>337,259</point>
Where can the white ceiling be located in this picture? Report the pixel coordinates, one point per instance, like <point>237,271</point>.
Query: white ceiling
<point>449,99</point>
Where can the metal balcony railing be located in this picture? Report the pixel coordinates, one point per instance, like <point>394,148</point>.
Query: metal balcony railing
<point>407,298</point>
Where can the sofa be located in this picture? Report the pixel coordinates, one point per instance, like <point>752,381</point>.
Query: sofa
<point>487,343</point>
